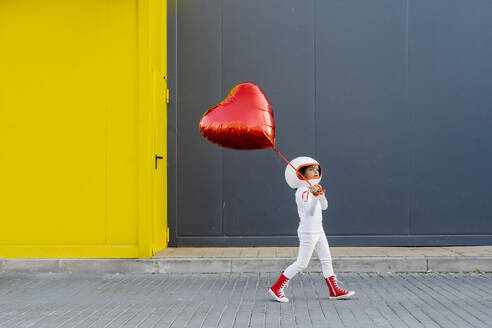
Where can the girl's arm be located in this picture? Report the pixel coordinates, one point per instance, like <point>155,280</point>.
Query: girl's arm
<point>323,201</point>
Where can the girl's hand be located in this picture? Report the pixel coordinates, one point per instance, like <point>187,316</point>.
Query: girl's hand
<point>315,190</point>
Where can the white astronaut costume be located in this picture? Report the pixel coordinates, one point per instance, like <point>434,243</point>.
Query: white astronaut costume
<point>310,232</point>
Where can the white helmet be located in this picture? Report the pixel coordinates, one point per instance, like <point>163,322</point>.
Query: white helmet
<point>294,178</point>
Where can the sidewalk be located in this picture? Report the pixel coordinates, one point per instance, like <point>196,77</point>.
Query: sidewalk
<point>396,300</point>
<point>271,259</point>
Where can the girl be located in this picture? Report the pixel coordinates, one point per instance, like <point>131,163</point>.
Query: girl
<point>310,201</point>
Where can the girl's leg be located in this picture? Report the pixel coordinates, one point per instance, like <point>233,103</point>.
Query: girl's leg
<point>307,241</point>
<point>323,251</point>
<point>324,255</point>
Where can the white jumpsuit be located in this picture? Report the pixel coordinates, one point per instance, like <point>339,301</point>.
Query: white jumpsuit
<point>311,233</point>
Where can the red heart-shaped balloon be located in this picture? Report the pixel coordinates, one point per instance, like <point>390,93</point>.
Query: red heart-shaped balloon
<point>244,120</point>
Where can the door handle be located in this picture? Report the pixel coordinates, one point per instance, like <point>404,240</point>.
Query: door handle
<point>156,158</point>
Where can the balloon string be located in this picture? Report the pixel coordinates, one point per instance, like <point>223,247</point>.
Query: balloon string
<point>292,166</point>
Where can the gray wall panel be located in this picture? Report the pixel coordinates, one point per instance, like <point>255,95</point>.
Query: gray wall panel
<point>200,165</point>
<point>362,118</point>
<point>450,88</point>
<point>270,43</point>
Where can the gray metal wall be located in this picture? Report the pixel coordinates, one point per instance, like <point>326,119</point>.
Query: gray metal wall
<point>393,97</point>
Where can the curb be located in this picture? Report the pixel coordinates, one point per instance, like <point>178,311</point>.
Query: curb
<point>238,265</point>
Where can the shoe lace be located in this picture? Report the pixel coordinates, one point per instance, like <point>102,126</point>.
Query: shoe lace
<point>282,286</point>
<point>335,284</point>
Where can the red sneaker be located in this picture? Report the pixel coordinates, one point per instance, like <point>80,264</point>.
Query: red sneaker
<point>277,290</point>
<point>336,292</point>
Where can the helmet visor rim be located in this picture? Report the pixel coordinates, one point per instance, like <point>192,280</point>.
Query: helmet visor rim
<point>300,176</point>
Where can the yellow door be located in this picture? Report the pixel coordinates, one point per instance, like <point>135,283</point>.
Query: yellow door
<point>75,90</point>
<point>158,41</point>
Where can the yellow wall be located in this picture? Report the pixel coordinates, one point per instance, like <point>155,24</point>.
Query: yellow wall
<point>78,127</point>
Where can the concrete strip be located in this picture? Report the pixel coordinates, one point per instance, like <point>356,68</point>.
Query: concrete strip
<point>470,250</point>
<point>239,264</point>
<point>460,264</point>
<point>30,265</point>
<point>260,264</point>
<point>230,252</point>
<point>380,264</point>
<point>108,266</point>
<point>266,252</point>
<point>193,265</point>
<point>347,264</point>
